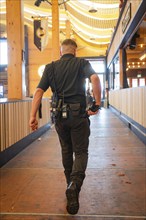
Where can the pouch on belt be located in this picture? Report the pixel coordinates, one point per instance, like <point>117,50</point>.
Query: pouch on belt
<point>75,109</point>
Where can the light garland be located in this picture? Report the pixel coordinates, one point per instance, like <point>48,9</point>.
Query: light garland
<point>133,65</point>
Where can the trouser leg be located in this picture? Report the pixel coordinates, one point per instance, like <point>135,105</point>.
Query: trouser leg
<point>75,139</point>
<point>66,150</point>
<point>67,158</point>
<point>80,139</point>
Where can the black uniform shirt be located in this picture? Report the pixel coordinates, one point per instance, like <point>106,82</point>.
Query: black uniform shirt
<point>70,73</point>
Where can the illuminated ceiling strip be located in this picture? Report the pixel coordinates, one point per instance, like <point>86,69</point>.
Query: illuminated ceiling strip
<point>2,4</point>
<point>85,25</point>
<point>73,6</point>
<point>28,10</point>
<point>3,22</point>
<point>2,7</point>
<point>92,38</point>
<point>2,12</point>
<point>38,9</point>
<point>90,33</point>
<point>49,24</point>
<point>91,41</point>
<point>32,11</point>
<point>99,5</point>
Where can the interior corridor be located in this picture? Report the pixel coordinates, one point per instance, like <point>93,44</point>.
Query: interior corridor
<point>33,183</point>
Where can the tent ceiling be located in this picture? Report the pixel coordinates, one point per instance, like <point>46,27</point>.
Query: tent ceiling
<point>91,30</point>
<point>94,29</point>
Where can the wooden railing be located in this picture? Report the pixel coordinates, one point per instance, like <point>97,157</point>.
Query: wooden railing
<point>131,102</point>
<point>14,119</point>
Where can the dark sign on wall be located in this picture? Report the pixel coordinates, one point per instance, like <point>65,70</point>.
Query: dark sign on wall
<point>126,18</point>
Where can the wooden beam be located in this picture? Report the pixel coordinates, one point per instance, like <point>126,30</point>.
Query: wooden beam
<point>68,29</point>
<point>121,69</point>
<point>55,30</point>
<point>15,36</point>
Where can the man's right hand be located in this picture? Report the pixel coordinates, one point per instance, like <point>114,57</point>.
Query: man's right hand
<point>33,123</point>
<point>90,113</point>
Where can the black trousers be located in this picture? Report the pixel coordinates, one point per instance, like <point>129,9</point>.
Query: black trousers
<point>74,139</point>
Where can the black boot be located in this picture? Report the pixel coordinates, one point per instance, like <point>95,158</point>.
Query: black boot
<point>72,195</point>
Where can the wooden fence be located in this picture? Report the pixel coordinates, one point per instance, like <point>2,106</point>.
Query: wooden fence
<point>131,102</point>
<point>14,119</point>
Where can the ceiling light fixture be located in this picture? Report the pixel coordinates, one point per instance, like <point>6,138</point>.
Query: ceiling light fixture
<point>92,9</point>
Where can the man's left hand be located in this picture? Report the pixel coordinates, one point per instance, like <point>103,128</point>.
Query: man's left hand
<point>33,123</point>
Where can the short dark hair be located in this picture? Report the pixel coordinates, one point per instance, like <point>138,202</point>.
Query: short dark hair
<point>69,42</point>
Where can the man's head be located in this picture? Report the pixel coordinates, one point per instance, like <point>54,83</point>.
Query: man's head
<point>68,46</point>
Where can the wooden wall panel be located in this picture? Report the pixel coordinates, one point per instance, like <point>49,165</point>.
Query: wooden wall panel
<point>36,59</point>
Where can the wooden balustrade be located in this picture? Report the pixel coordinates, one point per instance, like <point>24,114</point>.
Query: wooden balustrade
<point>14,119</point>
<point>131,102</point>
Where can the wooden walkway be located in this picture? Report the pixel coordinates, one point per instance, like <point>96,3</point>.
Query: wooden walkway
<point>33,184</point>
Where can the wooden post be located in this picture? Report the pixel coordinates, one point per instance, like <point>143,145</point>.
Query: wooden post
<point>121,69</point>
<point>68,29</point>
<point>55,30</point>
<point>130,82</point>
<point>15,36</point>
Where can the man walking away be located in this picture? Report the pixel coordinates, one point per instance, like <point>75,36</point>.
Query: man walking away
<point>66,77</point>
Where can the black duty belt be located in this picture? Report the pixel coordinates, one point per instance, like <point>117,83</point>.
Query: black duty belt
<point>68,110</point>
